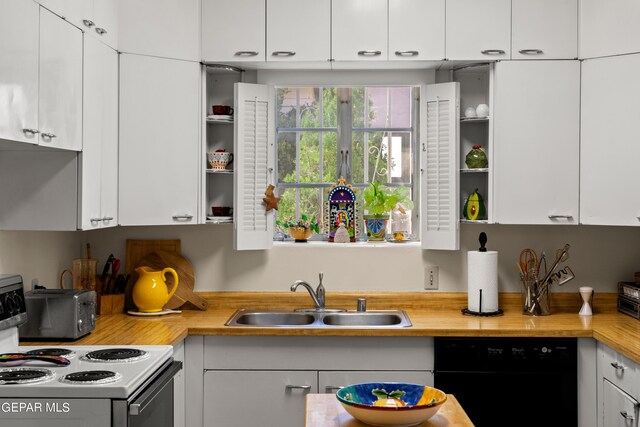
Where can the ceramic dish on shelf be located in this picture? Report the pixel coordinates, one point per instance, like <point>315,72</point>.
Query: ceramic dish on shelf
<point>219,218</point>
<point>391,404</point>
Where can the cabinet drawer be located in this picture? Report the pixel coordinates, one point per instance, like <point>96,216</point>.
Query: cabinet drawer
<point>619,370</point>
<point>332,381</point>
<point>318,353</point>
<point>619,409</point>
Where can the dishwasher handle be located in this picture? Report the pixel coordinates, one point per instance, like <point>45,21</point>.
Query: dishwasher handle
<point>138,405</point>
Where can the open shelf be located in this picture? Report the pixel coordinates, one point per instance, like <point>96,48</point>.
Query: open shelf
<point>477,170</point>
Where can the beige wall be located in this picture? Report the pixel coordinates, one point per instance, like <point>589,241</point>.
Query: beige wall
<point>599,256</point>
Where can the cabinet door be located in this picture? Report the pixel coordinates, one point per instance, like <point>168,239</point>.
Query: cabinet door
<point>416,30</point>
<point>608,155</point>
<point>71,10</point>
<point>536,142</point>
<point>105,18</point>
<point>332,381</point>
<point>478,30</point>
<point>234,31</point>
<point>159,141</point>
<point>544,29</point>
<point>98,185</point>
<point>609,27</point>
<point>439,151</point>
<point>60,84</point>
<point>359,30</point>
<point>619,409</point>
<point>254,161</point>
<point>290,37</point>
<point>168,28</point>
<point>19,71</point>
<point>277,397</point>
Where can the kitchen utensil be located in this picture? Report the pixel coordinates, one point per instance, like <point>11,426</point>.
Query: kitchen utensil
<point>114,275</point>
<point>562,276</point>
<point>561,256</point>
<point>184,294</point>
<point>528,263</point>
<point>83,273</point>
<point>148,293</point>
<point>138,249</point>
<point>15,359</point>
<point>105,269</point>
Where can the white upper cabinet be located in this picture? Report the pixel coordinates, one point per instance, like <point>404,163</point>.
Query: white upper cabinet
<point>60,83</point>
<point>234,31</point>
<point>537,142</point>
<point>478,30</point>
<point>544,29</point>
<point>439,150</point>
<point>19,71</point>
<point>168,28</point>
<point>416,29</point>
<point>609,152</point>
<point>609,27</point>
<point>359,30</point>
<point>298,30</point>
<point>254,152</point>
<point>159,159</point>
<point>98,186</point>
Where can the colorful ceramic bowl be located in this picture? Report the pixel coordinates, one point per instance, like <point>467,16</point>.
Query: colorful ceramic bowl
<point>391,404</point>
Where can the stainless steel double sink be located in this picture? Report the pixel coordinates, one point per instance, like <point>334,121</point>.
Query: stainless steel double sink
<point>319,319</point>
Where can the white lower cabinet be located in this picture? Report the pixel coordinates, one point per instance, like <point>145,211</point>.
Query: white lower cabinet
<point>618,389</point>
<point>276,373</point>
<point>619,409</point>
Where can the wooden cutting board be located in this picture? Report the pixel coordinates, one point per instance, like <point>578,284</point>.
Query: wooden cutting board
<point>138,249</point>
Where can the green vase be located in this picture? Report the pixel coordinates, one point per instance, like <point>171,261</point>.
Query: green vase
<point>476,158</point>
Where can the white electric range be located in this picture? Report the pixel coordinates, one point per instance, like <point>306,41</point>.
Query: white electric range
<point>79,385</point>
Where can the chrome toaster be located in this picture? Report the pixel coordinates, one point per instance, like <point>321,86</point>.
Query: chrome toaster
<point>65,314</point>
<point>629,298</point>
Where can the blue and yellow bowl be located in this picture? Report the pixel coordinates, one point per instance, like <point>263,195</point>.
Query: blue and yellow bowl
<point>391,404</point>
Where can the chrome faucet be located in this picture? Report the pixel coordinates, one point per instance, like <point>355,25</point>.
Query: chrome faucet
<point>317,296</point>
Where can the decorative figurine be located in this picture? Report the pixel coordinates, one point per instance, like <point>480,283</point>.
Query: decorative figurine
<point>341,207</point>
<point>342,235</point>
<point>476,158</point>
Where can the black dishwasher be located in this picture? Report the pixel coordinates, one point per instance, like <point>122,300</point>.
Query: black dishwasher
<point>511,381</point>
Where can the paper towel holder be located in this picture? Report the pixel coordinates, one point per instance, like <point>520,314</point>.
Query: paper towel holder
<point>483,241</point>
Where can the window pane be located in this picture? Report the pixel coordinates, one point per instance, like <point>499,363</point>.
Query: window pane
<point>309,107</point>
<point>358,107</point>
<point>401,155</point>
<point>357,157</point>
<point>286,107</point>
<point>329,108</point>
<point>329,156</point>
<point>287,204</point>
<point>311,203</point>
<point>309,157</point>
<point>400,101</point>
<point>287,157</point>
<point>377,98</point>
<point>378,153</point>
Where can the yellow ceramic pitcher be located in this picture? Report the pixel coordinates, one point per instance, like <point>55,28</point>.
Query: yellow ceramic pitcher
<point>150,293</point>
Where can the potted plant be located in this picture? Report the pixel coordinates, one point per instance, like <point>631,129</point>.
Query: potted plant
<point>379,201</point>
<point>300,229</point>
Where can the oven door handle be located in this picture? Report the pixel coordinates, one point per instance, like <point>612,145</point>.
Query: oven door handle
<point>137,406</point>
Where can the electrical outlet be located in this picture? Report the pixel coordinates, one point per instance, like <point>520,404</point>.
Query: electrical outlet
<point>431,277</point>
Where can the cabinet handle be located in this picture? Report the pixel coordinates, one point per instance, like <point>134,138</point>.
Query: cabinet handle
<point>297,387</point>
<point>88,23</point>
<point>182,217</point>
<point>560,216</point>
<point>332,388</point>
<point>48,135</point>
<point>492,52</point>
<point>626,416</point>
<point>618,366</point>
<point>246,53</point>
<point>31,131</point>
<point>531,51</point>
<point>101,31</point>
<point>95,219</point>
<point>369,53</point>
<point>406,53</point>
<point>107,218</point>
<point>283,53</point>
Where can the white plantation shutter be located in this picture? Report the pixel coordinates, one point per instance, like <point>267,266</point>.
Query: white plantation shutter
<point>253,159</point>
<point>439,163</point>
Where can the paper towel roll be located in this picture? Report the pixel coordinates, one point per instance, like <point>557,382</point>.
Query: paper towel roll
<point>482,274</point>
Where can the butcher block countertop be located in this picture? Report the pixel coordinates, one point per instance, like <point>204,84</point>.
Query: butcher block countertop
<point>432,314</point>
<point>324,410</point>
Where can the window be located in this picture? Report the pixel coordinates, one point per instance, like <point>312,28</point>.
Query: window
<point>364,134</point>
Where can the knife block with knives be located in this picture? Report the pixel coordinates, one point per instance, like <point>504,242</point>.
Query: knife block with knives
<point>110,288</point>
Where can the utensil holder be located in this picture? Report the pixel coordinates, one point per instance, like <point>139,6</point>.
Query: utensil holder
<point>535,298</point>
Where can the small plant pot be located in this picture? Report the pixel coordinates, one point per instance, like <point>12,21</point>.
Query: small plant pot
<point>300,234</point>
<point>376,227</point>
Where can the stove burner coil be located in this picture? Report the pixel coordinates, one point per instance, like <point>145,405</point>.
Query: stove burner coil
<point>91,377</point>
<point>52,351</point>
<point>116,355</point>
<point>25,375</point>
